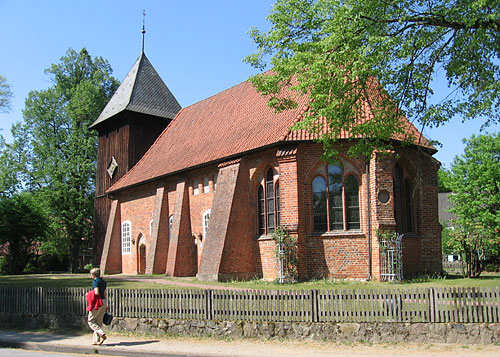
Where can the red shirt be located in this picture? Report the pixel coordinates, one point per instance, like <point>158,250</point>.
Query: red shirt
<point>94,302</point>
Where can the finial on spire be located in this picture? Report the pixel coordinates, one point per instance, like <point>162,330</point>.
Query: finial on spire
<point>143,28</point>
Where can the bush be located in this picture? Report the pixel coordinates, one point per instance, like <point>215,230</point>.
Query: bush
<point>3,266</point>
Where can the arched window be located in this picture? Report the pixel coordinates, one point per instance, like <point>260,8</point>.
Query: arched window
<point>335,197</point>
<point>126,237</point>
<point>270,201</point>
<point>335,206</point>
<point>398,199</point>
<point>206,219</point>
<point>319,203</point>
<point>352,202</point>
<point>408,206</point>
<point>261,205</point>
<point>403,202</point>
<point>268,205</point>
<point>278,205</point>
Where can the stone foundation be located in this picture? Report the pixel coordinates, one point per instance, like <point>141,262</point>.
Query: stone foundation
<point>473,333</point>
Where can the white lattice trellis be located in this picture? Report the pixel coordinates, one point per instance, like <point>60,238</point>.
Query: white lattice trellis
<point>391,258</point>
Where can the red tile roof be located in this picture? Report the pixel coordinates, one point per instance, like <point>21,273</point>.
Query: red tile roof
<point>229,123</point>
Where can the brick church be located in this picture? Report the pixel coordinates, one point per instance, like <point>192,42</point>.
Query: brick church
<point>198,191</point>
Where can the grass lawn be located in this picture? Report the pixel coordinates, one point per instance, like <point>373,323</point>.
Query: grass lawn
<point>490,280</point>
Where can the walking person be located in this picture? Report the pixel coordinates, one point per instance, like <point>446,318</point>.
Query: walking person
<point>97,306</point>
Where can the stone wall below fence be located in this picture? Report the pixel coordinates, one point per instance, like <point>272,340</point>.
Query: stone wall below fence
<point>386,332</point>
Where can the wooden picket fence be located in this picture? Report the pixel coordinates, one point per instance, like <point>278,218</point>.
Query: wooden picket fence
<point>456,305</point>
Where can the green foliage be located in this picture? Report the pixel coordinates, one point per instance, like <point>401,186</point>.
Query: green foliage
<point>5,95</point>
<point>23,229</point>
<point>286,255</point>
<point>54,152</point>
<point>475,182</point>
<point>341,53</point>
<point>444,177</point>
<point>447,242</point>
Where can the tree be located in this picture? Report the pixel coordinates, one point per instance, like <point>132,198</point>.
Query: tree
<point>55,153</point>
<point>444,177</point>
<point>5,95</point>
<point>23,228</point>
<point>341,53</point>
<point>475,181</point>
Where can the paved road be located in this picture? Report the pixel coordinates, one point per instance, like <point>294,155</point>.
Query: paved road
<point>12,352</point>
<point>147,346</point>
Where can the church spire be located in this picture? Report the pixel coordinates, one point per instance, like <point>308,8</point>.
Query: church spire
<point>143,28</point>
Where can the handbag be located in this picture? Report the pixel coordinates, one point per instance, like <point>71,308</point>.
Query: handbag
<point>107,318</point>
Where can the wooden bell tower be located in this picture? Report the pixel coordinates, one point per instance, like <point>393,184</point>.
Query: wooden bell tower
<point>136,115</point>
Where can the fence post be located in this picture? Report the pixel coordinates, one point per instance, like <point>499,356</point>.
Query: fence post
<point>314,306</point>
<point>208,304</point>
<point>41,297</point>
<point>432,305</point>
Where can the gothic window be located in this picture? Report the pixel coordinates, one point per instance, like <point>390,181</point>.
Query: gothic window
<point>278,205</point>
<point>403,202</point>
<point>336,204</point>
<point>408,206</point>
<point>335,197</point>
<point>270,201</point>
<point>319,204</point>
<point>126,237</point>
<point>268,205</point>
<point>352,202</point>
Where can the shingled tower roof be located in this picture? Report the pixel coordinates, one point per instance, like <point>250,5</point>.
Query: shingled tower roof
<point>142,91</point>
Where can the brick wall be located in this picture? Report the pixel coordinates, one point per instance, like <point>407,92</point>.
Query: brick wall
<point>339,254</point>
<point>137,206</point>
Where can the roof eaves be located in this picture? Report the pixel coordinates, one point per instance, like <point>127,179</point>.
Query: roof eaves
<point>223,160</point>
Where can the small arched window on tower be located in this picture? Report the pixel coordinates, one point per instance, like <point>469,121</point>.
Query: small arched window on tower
<point>268,205</point>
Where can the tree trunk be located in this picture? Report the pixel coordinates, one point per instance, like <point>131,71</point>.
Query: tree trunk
<point>75,252</point>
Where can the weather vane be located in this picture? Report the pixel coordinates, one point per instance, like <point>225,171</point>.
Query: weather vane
<point>143,28</point>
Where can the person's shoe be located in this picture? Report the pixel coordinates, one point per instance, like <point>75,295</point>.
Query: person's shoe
<point>103,338</point>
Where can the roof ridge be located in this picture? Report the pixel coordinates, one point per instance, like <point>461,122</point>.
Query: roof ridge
<point>136,79</point>
<point>218,93</point>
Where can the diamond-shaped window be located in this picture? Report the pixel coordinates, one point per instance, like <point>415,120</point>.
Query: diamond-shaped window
<point>113,165</point>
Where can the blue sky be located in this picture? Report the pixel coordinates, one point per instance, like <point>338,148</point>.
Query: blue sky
<point>197,47</point>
